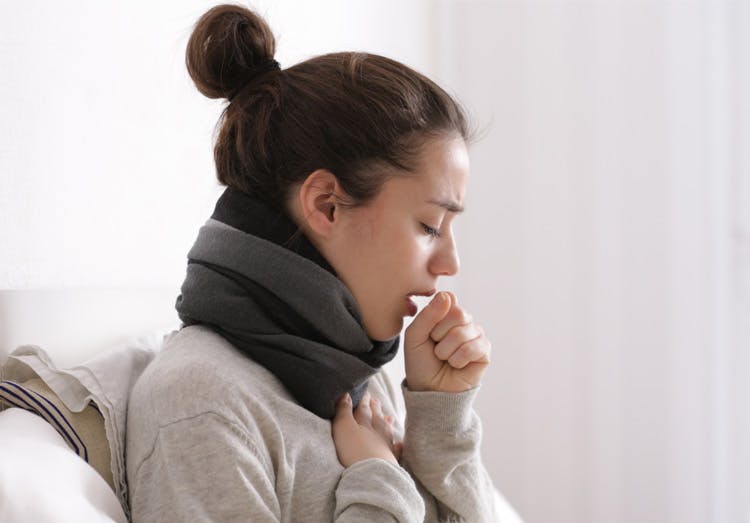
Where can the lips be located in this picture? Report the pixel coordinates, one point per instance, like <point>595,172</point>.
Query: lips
<point>411,306</point>
<point>426,294</point>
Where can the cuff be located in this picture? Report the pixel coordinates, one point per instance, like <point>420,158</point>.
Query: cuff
<point>378,485</point>
<point>439,411</point>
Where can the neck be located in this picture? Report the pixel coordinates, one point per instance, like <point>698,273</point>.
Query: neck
<point>252,216</point>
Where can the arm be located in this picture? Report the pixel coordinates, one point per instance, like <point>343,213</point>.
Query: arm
<point>373,486</point>
<point>445,356</point>
<point>441,449</point>
<point>376,490</point>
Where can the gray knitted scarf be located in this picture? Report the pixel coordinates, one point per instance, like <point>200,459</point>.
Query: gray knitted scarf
<point>255,280</point>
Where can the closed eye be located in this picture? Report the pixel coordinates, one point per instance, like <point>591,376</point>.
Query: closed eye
<point>431,231</point>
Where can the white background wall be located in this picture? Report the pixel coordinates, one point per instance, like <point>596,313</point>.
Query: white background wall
<point>611,244</point>
<point>606,248</point>
<point>106,148</point>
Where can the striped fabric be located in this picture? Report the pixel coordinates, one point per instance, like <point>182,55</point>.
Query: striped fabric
<point>27,398</point>
<point>83,431</point>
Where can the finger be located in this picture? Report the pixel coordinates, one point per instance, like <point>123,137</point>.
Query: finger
<point>475,351</point>
<point>380,422</point>
<point>398,449</point>
<point>393,426</point>
<point>377,411</point>
<point>455,317</point>
<point>456,337</point>
<point>419,330</point>
<point>390,435</point>
<point>489,343</point>
<point>363,413</point>
<point>343,410</point>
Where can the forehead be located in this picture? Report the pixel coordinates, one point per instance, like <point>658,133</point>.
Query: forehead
<point>441,173</point>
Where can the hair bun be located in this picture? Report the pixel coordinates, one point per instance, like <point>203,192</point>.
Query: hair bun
<point>228,47</point>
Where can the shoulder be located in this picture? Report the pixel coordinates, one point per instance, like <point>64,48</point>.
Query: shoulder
<point>204,390</point>
<point>198,372</point>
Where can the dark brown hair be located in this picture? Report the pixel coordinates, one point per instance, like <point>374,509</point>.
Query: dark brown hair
<point>356,114</point>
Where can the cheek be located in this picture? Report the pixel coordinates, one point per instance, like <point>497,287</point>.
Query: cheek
<point>360,241</point>
<point>409,251</point>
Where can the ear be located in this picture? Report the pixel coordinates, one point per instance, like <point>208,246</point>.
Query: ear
<point>318,200</point>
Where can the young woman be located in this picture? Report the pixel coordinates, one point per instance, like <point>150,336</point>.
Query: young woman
<point>344,174</point>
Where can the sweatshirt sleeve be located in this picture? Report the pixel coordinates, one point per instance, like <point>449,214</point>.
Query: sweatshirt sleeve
<point>376,490</point>
<point>441,450</point>
<point>171,483</point>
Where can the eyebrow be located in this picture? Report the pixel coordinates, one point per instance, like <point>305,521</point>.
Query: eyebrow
<point>449,205</point>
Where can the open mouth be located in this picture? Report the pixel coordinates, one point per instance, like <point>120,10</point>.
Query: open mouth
<point>411,307</point>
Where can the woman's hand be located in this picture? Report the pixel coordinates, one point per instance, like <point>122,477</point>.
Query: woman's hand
<point>364,433</point>
<point>444,350</point>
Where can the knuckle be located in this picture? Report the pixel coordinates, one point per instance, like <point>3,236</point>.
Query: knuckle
<point>473,352</point>
<point>436,334</point>
<point>441,351</point>
<point>455,314</point>
<point>472,332</point>
<point>461,316</point>
<point>459,333</point>
<point>459,357</point>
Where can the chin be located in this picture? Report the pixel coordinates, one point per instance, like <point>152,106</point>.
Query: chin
<point>385,333</point>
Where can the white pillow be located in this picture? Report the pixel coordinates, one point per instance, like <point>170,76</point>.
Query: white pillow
<point>105,380</point>
<point>42,479</point>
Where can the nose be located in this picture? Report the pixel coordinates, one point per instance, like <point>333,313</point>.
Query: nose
<point>445,261</point>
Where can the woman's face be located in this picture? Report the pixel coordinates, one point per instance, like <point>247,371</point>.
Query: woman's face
<point>400,243</point>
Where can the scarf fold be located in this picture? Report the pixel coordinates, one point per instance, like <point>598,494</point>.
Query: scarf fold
<point>258,282</point>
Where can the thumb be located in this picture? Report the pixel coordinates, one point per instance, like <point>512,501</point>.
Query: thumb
<point>419,330</point>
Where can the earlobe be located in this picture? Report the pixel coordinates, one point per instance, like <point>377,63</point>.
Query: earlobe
<point>318,201</point>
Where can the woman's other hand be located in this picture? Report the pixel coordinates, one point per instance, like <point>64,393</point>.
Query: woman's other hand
<point>444,350</point>
<point>363,433</point>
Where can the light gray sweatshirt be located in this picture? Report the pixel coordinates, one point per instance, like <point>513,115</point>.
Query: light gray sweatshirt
<point>214,436</point>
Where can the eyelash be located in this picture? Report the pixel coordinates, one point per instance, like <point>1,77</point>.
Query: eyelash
<point>432,232</point>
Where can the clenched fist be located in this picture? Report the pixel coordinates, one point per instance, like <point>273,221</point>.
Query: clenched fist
<point>444,350</point>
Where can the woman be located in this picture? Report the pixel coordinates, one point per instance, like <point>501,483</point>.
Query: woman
<point>344,174</point>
